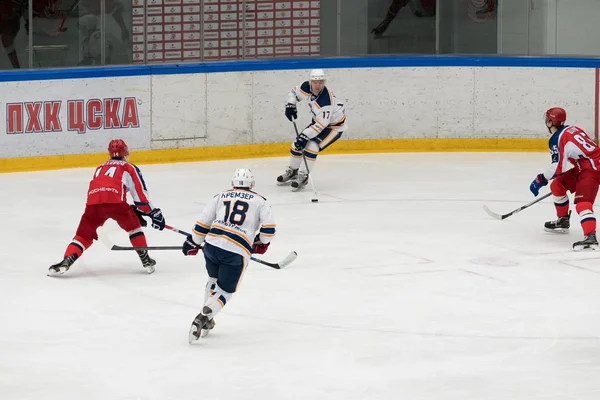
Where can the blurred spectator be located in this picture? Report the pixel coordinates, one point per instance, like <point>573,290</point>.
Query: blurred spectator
<point>90,34</point>
<point>420,8</point>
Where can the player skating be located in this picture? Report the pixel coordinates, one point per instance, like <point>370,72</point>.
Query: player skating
<point>328,124</point>
<point>106,198</point>
<point>569,144</point>
<point>234,225</point>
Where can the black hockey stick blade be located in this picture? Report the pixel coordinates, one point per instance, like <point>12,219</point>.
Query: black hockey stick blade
<point>116,247</point>
<point>280,265</point>
<point>504,216</point>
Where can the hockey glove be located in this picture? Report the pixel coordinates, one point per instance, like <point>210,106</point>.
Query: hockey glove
<point>140,215</point>
<point>190,248</point>
<point>301,141</point>
<point>158,221</point>
<point>539,182</point>
<point>291,112</point>
<point>259,247</point>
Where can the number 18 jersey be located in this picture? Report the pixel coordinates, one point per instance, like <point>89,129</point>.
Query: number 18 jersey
<point>571,145</point>
<point>232,219</point>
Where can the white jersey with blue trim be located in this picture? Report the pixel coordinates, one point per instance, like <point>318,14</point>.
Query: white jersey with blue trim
<point>232,220</point>
<point>327,111</point>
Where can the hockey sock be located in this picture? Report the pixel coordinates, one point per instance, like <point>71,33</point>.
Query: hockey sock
<point>311,151</point>
<point>217,301</point>
<point>561,203</point>
<point>137,238</point>
<point>77,246</point>
<point>210,288</point>
<point>586,216</point>
<point>295,158</point>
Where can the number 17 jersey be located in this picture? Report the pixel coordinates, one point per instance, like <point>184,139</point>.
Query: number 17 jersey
<point>232,219</point>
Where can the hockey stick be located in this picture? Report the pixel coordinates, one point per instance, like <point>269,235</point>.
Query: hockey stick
<point>312,183</point>
<point>286,261</point>
<point>504,216</point>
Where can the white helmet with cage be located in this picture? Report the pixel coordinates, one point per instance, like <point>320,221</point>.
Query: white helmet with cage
<point>317,75</point>
<point>242,178</point>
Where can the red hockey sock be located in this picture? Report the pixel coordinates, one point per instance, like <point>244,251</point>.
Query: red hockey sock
<point>587,217</point>
<point>77,246</point>
<point>138,239</point>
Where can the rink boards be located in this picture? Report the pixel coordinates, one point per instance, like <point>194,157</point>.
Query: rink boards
<point>232,110</point>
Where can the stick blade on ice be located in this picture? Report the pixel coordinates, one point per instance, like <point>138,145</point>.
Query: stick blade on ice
<point>492,214</point>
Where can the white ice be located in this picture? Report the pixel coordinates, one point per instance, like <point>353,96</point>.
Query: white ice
<point>403,289</point>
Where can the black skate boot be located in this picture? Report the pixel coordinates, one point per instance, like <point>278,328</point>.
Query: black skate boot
<point>197,328</point>
<point>147,262</point>
<point>560,225</point>
<point>300,182</point>
<point>380,29</point>
<point>63,266</point>
<point>588,243</point>
<point>208,325</point>
<point>287,176</point>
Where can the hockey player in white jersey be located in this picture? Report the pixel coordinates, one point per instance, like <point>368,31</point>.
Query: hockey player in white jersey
<point>234,225</point>
<point>328,124</point>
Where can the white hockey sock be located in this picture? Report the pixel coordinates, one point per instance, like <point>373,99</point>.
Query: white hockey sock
<point>210,288</point>
<point>217,300</point>
<point>295,161</point>
<point>310,153</point>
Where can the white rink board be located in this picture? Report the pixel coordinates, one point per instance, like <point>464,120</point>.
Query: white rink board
<point>73,116</point>
<point>220,109</point>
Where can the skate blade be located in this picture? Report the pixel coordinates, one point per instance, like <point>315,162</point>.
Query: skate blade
<point>52,272</point>
<point>559,230</point>
<point>192,337</point>
<point>586,247</point>
<point>297,189</point>
<point>204,333</point>
<point>150,269</point>
<point>284,183</point>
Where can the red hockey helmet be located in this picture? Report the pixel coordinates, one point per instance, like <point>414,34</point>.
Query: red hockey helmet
<point>117,149</point>
<point>557,115</point>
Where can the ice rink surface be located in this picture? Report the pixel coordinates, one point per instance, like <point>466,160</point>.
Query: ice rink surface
<point>404,288</point>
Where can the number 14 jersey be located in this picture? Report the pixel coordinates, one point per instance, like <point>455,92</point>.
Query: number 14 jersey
<point>570,144</point>
<point>233,218</point>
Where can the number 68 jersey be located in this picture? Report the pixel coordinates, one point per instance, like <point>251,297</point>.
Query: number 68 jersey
<point>232,220</point>
<point>570,144</point>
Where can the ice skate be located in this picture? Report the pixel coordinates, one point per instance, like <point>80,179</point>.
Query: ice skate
<point>63,266</point>
<point>287,176</point>
<point>147,262</point>
<point>380,29</point>
<point>561,225</point>
<point>588,243</point>
<point>300,182</point>
<point>197,330</point>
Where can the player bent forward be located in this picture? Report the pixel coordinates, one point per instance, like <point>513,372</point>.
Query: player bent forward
<point>328,124</point>
<point>570,144</point>
<point>234,225</point>
<point>106,199</point>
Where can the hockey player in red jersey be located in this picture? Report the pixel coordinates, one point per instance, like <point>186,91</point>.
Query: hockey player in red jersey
<point>107,198</point>
<point>569,144</point>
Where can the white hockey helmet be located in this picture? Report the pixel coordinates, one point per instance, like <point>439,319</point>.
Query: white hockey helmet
<point>242,178</point>
<point>317,75</point>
